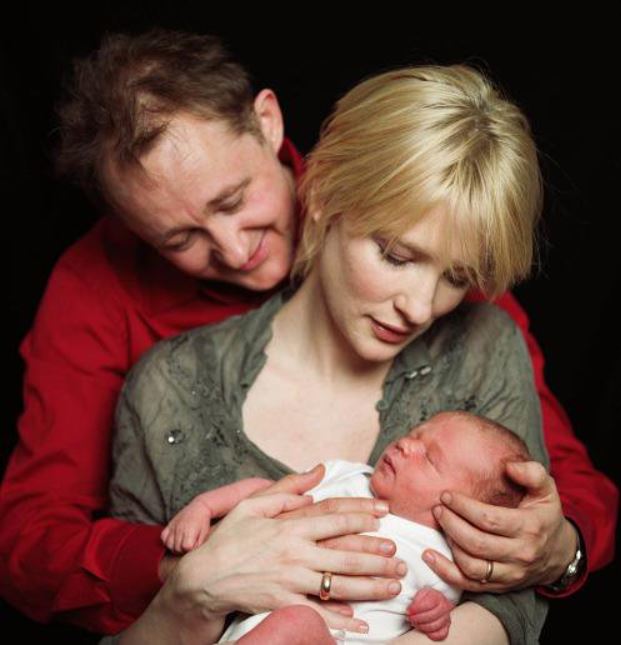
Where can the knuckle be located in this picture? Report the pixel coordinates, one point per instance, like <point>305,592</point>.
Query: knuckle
<point>347,523</point>
<point>526,556</point>
<point>480,544</point>
<point>491,521</point>
<point>471,571</point>
<point>351,563</point>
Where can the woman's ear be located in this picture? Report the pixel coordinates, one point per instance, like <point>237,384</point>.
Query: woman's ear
<point>315,215</point>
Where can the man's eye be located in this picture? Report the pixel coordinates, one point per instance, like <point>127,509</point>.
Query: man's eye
<point>180,243</point>
<point>232,207</point>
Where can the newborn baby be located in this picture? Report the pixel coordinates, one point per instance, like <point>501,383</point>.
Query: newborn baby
<point>452,451</point>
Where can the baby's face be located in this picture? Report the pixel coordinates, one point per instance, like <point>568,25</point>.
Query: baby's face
<point>441,454</point>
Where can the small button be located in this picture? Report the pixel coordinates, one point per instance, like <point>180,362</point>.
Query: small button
<point>412,374</point>
<point>174,437</point>
<point>425,370</point>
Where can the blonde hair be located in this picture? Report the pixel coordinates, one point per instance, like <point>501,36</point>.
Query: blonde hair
<point>405,141</point>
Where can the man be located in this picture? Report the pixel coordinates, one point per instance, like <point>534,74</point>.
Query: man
<point>197,183</point>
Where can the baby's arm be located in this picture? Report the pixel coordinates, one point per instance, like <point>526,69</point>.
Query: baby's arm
<point>190,526</point>
<point>430,613</point>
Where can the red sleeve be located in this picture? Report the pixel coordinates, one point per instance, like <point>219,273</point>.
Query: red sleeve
<point>588,497</point>
<point>56,558</point>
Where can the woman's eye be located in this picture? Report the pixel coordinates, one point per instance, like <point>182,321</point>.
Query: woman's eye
<point>457,281</point>
<point>391,258</point>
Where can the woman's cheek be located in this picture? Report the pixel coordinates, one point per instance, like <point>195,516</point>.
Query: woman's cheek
<point>448,299</point>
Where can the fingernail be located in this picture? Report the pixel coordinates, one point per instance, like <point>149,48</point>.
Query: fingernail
<point>446,498</point>
<point>381,507</point>
<point>387,547</point>
<point>402,568</point>
<point>362,628</point>
<point>437,512</point>
<point>394,587</point>
<point>428,557</point>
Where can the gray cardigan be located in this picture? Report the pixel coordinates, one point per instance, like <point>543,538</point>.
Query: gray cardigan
<point>180,430</point>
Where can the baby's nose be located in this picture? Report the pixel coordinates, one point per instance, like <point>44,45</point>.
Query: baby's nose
<point>409,445</point>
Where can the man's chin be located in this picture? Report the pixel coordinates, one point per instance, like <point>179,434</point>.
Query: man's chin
<point>265,281</point>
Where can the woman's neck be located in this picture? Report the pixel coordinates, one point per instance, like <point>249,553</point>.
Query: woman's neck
<point>304,333</point>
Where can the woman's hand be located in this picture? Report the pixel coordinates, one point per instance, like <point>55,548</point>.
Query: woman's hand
<point>529,545</point>
<point>253,562</point>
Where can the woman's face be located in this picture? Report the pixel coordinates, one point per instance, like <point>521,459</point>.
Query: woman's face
<point>380,302</point>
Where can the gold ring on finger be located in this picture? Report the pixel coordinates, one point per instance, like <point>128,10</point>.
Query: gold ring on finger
<point>488,573</point>
<point>325,586</point>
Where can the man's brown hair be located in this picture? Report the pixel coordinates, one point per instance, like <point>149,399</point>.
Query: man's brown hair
<point>121,98</point>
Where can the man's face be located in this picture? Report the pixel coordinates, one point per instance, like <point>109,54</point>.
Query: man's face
<point>217,205</point>
<point>445,453</point>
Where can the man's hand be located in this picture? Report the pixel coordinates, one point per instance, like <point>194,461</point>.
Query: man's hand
<point>529,545</point>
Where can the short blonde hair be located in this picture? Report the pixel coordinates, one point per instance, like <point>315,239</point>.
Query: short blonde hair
<point>405,141</point>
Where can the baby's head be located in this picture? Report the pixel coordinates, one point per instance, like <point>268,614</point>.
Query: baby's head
<point>452,451</point>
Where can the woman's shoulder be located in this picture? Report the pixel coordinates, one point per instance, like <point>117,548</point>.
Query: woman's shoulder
<point>471,326</point>
<point>201,353</point>
<point>467,343</point>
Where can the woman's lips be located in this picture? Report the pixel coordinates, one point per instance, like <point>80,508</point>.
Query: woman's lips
<point>388,333</point>
<point>259,255</point>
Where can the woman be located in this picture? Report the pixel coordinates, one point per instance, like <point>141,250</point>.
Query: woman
<point>424,184</point>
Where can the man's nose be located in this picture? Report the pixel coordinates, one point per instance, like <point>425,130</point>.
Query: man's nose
<point>230,246</point>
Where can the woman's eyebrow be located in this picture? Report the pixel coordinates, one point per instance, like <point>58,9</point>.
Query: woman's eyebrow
<point>413,249</point>
<point>426,256</point>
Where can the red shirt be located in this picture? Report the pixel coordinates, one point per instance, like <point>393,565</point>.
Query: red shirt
<point>110,298</point>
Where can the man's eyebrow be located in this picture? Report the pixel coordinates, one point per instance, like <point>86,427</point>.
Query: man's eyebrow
<point>226,193</point>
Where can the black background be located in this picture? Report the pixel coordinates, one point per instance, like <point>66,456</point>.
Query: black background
<point>563,76</point>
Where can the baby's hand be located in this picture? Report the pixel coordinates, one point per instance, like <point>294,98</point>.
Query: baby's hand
<point>188,529</point>
<point>430,613</point>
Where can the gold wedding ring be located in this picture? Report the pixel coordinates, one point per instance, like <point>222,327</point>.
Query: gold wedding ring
<point>326,585</point>
<point>488,574</point>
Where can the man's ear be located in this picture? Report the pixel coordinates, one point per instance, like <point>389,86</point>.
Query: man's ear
<point>269,116</point>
